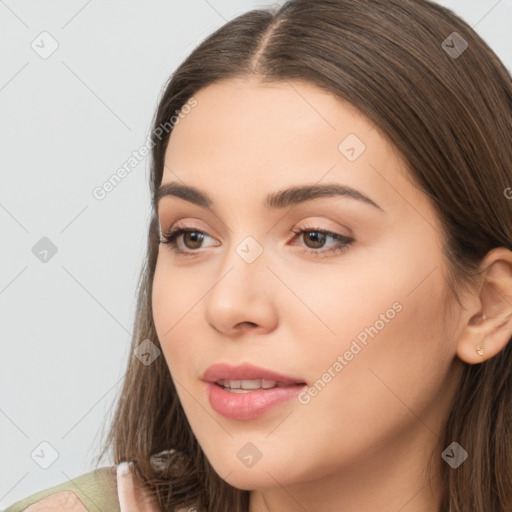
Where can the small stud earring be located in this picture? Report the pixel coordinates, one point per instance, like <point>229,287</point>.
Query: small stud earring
<point>481,348</point>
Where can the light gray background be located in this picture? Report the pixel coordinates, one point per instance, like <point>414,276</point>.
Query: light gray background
<point>67,123</point>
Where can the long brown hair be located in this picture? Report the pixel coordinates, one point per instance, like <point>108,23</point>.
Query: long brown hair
<point>444,101</point>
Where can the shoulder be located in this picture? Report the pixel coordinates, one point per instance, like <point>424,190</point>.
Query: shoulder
<point>91,492</point>
<point>66,501</point>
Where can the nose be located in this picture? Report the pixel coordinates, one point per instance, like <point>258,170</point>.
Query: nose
<point>242,297</point>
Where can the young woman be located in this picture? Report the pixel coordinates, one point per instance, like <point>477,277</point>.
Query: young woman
<point>325,311</point>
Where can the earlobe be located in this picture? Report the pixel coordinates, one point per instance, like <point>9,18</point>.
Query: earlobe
<point>480,349</point>
<point>471,346</point>
<point>489,329</point>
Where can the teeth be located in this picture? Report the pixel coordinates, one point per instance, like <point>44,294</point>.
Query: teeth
<point>248,384</point>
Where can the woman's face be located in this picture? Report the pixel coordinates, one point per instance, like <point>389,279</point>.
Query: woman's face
<point>357,320</point>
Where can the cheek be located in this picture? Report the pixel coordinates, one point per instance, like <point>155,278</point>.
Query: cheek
<point>170,313</point>
<point>395,360</point>
<point>394,383</point>
<point>178,314</point>
<point>395,354</point>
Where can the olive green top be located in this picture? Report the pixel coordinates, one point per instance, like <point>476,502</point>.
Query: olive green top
<point>97,490</point>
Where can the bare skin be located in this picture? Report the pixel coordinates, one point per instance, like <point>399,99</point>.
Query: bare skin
<point>363,441</point>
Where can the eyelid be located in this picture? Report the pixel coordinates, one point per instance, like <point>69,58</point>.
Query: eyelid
<point>323,224</point>
<point>314,221</point>
<point>193,224</point>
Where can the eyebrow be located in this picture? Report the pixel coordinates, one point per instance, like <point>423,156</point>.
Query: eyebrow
<point>275,200</point>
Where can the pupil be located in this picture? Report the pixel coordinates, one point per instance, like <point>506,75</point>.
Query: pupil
<point>197,236</point>
<point>315,235</point>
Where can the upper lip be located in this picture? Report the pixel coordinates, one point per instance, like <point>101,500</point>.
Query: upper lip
<point>246,371</point>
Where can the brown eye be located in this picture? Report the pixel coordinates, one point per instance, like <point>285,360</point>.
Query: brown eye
<point>190,240</point>
<point>195,237</point>
<point>317,239</point>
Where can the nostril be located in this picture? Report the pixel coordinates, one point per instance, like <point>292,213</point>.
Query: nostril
<point>251,324</point>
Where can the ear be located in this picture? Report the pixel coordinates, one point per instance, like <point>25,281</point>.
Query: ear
<point>489,327</point>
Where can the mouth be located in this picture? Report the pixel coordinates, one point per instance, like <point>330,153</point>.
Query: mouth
<point>246,386</point>
<point>247,392</point>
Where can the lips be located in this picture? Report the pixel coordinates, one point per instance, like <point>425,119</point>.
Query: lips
<point>246,371</point>
<point>246,392</point>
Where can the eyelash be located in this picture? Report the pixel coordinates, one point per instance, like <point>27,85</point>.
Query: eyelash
<point>343,244</point>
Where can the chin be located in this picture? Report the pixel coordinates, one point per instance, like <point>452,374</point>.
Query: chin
<point>248,480</point>
<point>261,474</point>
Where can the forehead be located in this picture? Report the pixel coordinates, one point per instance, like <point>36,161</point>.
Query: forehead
<point>282,128</point>
<point>254,116</point>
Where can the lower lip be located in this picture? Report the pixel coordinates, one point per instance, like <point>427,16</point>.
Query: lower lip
<point>247,406</point>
